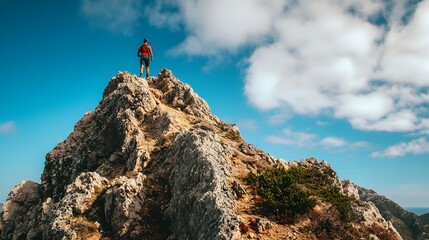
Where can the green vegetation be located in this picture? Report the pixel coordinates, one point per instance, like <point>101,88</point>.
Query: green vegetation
<point>295,191</point>
<point>230,131</point>
<point>233,135</point>
<point>281,192</point>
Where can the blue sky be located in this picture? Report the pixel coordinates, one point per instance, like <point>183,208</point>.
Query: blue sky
<point>344,81</point>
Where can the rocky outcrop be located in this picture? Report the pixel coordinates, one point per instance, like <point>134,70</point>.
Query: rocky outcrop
<point>408,224</point>
<point>350,189</point>
<point>181,96</point>
<point>109,177</point>
<point>63,217</point>
<point>108,140</point>
<point>366,212</point>
<point>17,219</point>
<point>152,162</point>
<point>368,215</point>
<point>201,205</point>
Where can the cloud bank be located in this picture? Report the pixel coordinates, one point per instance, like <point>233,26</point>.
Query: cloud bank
<point>362,61</point>
<point>293,138</point>
<point>326,59</point>
<point>289,137</point>
<point>415,147</point>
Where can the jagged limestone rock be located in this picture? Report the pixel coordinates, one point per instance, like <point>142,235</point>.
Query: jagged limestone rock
<point>104,139</point>
<point>200,206</point>
<point>123,204</point>
<point>263,225</point>
<point>17,218</point>
<point>408,224</point>
<point>78,198</point>
<point>248,149</point>
<point>180,96</point>
<point>239,191</point>
<point>152,162</point>
<point>368,215</point>
<point>349,189</point>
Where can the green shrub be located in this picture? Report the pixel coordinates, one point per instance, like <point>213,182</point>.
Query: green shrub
<point>281,192</point>
<point>233,135</point>
<point>294,191</point>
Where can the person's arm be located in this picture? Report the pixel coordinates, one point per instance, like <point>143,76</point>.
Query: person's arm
<point>139,53</point>
<point>151,53</point>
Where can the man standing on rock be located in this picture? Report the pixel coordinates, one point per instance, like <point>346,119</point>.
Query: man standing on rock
<point>145,52</point>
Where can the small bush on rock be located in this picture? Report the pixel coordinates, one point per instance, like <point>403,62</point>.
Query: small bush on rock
<point>295,191</point>
<point>232,135</point>
<point>281,192</point>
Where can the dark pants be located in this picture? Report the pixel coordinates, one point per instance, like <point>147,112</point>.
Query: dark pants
<point>144,60</point>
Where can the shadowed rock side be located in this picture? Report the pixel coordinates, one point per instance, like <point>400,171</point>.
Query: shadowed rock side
<point>200,190</point>
<point>152,162</point>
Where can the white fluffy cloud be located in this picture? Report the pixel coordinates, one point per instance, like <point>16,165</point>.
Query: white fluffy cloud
<point>289,137</point>
<point>292,138</point>
<point>328,59</point>
<point>118,16</point>
<point>342,144</point>
<point>329,142</point>
<point>217,26</point>
<point>7,128</point>
<point>417,146</point>
<point>406,56</point>
<point>318,57</point>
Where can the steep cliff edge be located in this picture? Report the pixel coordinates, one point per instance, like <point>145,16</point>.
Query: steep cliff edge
<point>152,162</point>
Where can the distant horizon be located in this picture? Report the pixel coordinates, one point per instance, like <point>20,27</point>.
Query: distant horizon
<point>418,210</point>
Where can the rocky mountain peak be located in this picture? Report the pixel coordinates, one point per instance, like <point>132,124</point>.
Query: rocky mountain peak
<point>152,162</point>
<point>119,136</point>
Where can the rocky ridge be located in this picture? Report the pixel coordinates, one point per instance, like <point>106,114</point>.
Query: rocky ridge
<point>152,162</point>
<point>409,225</point>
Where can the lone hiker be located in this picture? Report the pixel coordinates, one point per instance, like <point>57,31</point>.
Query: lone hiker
<point>145,52</point>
